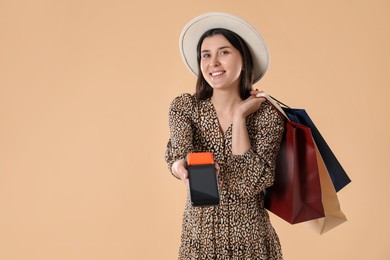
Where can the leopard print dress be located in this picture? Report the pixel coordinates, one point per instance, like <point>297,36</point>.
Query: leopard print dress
<point>239,227</point>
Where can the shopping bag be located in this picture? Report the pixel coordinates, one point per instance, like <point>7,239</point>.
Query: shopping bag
<point>333,213</point>
<point>338,175</point>
<point>295,195</point>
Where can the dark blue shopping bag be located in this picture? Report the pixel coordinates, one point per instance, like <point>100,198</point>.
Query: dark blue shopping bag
<point>337,173</point>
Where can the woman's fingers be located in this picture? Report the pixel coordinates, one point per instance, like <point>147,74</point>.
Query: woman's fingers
<point>256,91</point>
<point>183,175</point>
<point>261,94</point>
<point>217,168</point>
<point>180,170</point>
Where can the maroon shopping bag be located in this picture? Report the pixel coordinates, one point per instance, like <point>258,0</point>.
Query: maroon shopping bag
<point>295,195</point>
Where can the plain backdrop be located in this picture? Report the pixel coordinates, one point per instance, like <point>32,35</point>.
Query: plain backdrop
<point>85,88</point>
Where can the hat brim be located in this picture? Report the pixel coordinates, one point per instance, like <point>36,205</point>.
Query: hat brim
<point>192,32</point>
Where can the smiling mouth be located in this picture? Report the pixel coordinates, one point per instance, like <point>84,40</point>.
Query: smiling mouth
<point>217,73</point>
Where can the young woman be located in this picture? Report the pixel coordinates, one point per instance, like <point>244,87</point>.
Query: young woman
<point>226,117</point>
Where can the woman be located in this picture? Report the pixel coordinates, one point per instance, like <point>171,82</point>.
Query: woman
<point>229,119</point>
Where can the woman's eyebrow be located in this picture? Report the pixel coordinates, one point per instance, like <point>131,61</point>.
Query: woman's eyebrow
<point>220,48</point>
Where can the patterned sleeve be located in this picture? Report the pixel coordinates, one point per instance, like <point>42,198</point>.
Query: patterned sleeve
<point>180,127</point>
<point>254,171</point>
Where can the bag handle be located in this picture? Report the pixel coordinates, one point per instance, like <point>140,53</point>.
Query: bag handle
<point>279,102</point>
<point>274,102</point>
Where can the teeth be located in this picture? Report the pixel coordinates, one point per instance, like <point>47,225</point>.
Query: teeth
<point>216,73</point>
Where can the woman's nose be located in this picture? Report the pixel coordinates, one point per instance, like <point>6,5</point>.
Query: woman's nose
<point>215,61</point>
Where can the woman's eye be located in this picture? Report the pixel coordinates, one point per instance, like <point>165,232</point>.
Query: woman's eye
<point>224,52</point>
<point>205,56</point>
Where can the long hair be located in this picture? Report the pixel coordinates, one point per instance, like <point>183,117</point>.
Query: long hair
<point>203,89</point>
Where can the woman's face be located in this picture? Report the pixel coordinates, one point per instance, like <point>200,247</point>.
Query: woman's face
<point>221,63</point>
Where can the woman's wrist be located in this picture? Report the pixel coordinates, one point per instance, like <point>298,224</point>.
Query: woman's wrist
<point>238,119</point>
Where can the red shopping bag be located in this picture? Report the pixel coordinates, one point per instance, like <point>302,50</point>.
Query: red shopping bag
<point>295,195</point>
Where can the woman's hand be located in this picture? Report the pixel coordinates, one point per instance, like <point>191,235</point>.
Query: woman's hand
<point>179,169</point>
<point>217,170</point>
<point>250,105</point>
<point>240,137</point>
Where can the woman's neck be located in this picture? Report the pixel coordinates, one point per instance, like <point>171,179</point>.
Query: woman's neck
<point>225,102</point>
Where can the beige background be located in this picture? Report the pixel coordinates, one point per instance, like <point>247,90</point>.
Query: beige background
<point>84,93</point>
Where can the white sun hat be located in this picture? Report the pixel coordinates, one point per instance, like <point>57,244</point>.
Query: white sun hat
<point>192,32</point>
